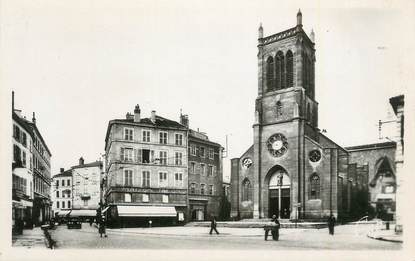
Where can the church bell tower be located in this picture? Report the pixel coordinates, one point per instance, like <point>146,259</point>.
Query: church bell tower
<point>285,111</point>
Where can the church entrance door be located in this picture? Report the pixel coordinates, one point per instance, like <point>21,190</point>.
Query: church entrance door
<point>279,195</point>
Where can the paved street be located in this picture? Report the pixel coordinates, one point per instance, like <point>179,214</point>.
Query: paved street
<point>350,237</point>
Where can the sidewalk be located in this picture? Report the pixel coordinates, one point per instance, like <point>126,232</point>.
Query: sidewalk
<point>31,238</point>
<point>386,235</point>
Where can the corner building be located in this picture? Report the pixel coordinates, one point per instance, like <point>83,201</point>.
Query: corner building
<point>292,170</point>
<point>146,171</point>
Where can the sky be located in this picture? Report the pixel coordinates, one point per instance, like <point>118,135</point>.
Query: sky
<point>79,64</point>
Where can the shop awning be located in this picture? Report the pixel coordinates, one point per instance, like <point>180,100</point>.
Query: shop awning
<point>385,196</point>
<point>63,213</point>
<point>146,211</point>
<point>83,213</point>
<point>105,209</point>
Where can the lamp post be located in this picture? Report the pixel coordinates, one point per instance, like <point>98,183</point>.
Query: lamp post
<point>280,178</point>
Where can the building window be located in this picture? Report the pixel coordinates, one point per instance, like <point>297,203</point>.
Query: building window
<point>85,203</point>
<point>24,139</point>
<point>246,190</point>
<point>178,139</point>
<point>57,194</point>
<point>178,158</point>
<point>63,204</point>
<point>57,204</point>
<point>163,137</point>
<point>163,182</point>
<point>146,135</point>
<point>127,197</point>
<point>314,186</point>
<point>210,190</point>
<point>211,154</point>
<point>280,71</point>
<point>127,154</point>
<point>290,69</point>
<point>193,150</point>
<point>202,169</point>
<point>68,182</point>
<point>145,156</point>
<point>210,171</point>
<point>16,154</point>
<point>202,189</point>
<point>270,74</point>
<point>128,133</point>
<point>165,198</point>
<point>63,183</point>
<point>192,167</point>
<point>146,198</point>
<point>146,179</point>
<point>24,158</point>
<point>202,152</point>
<point>69,204</point>
<point>193,188</point>
<point>163,157</point>
<point>178,179</point>
<point>128,177</point>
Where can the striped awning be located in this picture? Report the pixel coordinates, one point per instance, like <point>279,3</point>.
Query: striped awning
<point>146,211</point>
<point>63,213</point>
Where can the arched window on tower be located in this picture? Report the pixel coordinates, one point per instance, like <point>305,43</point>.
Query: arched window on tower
<point>290,69</point>
<point>270,74</point>
<point>314,186</point>
<point>279,72</point>
<point>246,190</point>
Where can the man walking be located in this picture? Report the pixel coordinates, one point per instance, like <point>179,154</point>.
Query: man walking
<point>331,222</point>
<point>213,226</point>
<point>101,226</point>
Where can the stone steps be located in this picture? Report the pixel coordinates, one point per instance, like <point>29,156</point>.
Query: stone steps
<point>258,224</point>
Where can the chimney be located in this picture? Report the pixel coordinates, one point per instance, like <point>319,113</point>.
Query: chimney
<point>184,120</point>
<point>129,116</point>
<point>34,118</point>
<point>153,116</point>
<point>137,113</point>
<point>81,161</point>
<point>62,170</point>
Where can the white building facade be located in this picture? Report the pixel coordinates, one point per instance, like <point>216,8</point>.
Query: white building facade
<point>146,171</point>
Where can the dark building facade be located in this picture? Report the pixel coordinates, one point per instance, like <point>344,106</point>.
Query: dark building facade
<point>205,175</point>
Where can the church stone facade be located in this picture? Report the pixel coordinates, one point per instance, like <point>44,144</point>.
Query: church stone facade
<point>292,169</point>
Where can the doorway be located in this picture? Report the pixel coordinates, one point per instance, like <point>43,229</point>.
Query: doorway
<point>279,195</point>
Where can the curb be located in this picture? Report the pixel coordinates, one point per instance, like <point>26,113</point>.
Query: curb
<point>384,239</point>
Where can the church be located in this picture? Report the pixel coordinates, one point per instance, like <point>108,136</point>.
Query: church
<point>293,170</point>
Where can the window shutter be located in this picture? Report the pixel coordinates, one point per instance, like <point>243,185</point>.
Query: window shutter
<point>139,155</point>
<point>122,154</point>
<point>152,156</point>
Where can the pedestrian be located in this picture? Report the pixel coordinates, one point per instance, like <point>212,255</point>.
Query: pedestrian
<point>276,229</point>
<point>91,220</point>
<point>101,228</point>
<point>213,226</point>
<point>331,222</point>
